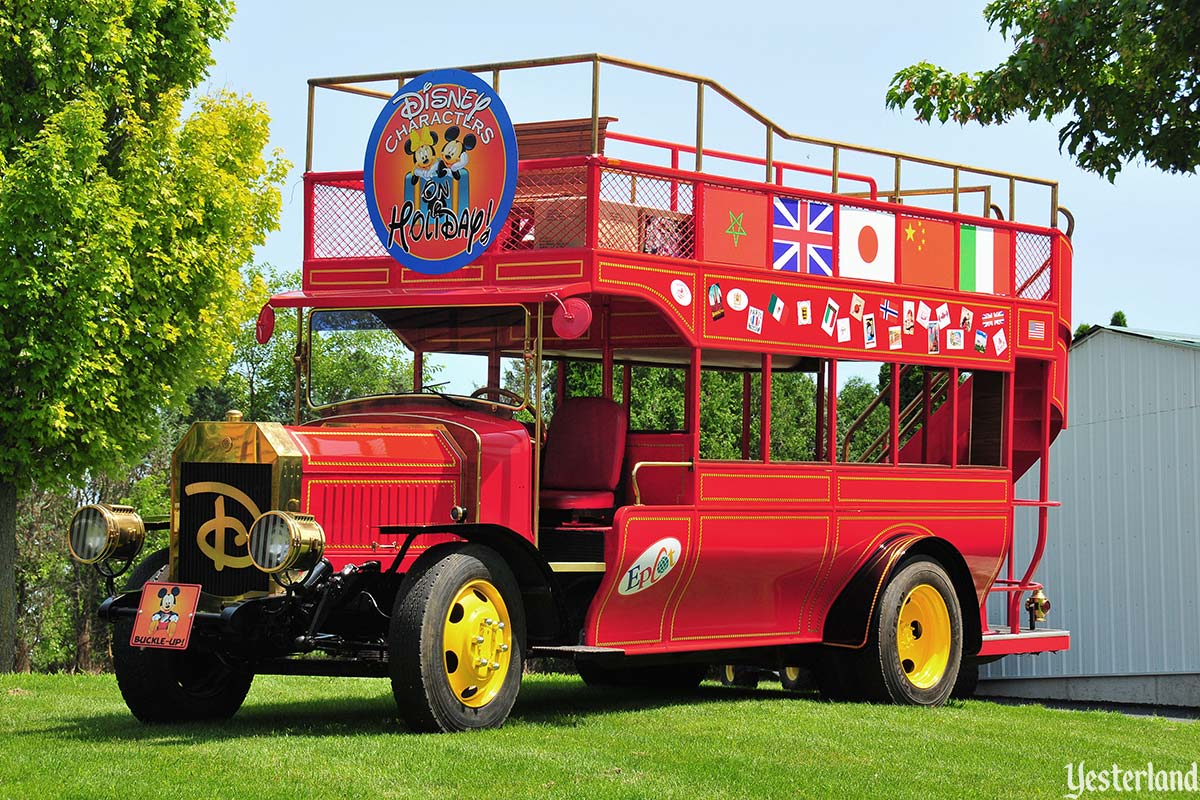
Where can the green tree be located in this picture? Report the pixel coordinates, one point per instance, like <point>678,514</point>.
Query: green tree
<point>1117,320</point>
<point>1125,72</point>
<point>123,229</point>
<point>855,395</point>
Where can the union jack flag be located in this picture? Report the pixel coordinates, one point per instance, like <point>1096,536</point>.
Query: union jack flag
<point>803,237</point>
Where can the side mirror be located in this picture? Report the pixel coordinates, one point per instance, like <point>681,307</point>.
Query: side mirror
<point>572,318</point>
<point>265,325</point>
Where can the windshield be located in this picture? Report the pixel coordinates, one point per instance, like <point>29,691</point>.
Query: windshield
<point>461,351</point>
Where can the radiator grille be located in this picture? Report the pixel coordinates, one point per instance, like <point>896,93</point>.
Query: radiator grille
<point>217,503</point>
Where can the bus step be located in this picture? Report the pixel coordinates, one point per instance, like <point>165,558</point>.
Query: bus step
<point>999,641</point>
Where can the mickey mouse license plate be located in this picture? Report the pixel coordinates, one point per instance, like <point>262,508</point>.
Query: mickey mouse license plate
<point>165,615</point>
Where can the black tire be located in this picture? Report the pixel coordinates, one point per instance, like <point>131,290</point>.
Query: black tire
<point>968,680</point>
<point>167,685</point>
<point>795,679</point>
<point>423,669</point>
<point>740,677</point>
<point>664,677</point>
<point>882,672</point>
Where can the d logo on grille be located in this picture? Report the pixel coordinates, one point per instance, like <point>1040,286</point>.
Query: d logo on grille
<point>221,523</point>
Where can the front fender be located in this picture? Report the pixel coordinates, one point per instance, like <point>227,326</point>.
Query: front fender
<point>545,611</point>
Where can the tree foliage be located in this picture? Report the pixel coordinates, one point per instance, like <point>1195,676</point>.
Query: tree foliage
<point>1117,320</point>
<point>123,230</point>
<point>1126,72</point>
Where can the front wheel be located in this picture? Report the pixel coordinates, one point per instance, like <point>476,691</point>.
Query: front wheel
<point>914,646</point>
<point>169,685</point>
<point>456,642</point>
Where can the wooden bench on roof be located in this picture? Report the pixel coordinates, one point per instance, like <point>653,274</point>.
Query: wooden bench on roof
<point>550,206</point>
<point>560,138</point>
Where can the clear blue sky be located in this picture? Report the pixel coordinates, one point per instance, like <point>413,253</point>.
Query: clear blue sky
<point>817,69</point>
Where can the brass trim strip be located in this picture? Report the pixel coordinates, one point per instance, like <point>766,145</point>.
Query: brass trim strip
<point>577,566</point>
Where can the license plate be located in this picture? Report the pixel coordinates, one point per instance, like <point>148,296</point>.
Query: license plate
<point>165,615</point>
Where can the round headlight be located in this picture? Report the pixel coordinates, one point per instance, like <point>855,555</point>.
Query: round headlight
<point>283,540</point>
<point>101,532</point>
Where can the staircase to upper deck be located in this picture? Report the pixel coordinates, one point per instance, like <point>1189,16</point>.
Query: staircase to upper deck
<point>979,437</point>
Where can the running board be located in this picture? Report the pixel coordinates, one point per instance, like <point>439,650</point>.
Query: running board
<point>1000,641</point>
<point>572,651</point>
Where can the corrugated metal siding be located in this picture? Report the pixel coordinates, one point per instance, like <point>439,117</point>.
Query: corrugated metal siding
<point>1122,566</point>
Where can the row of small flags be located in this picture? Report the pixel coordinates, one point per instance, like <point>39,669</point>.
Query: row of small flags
<point>803,241</point>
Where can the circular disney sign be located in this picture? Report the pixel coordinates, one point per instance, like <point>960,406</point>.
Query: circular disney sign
<point>440,171</point>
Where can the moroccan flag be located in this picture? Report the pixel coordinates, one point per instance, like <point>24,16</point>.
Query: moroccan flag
<point>984,260</point>
<point>736,227</point>
<point>927,252</point>
<point>866,244</point>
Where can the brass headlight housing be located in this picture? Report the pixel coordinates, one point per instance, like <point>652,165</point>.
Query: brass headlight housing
<point>286,540</point>
<point>101,532</point>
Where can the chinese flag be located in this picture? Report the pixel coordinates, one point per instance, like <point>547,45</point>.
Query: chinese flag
<point>735,227</point>
<point>927,252</point>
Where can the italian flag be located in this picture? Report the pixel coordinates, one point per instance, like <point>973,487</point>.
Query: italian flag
<point>984,264</point>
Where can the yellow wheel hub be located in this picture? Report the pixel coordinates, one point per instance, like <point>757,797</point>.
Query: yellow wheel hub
<point>477,640</point>
<point>923,636</point>
<point>791,673</point>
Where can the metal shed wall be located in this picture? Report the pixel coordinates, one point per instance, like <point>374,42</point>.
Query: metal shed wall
<point>1122,564</point>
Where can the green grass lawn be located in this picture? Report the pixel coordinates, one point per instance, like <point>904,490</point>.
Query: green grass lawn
<point>71,736</point>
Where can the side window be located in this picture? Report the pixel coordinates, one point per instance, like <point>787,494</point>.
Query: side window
<point>730,414</point>
<point>800,414</point>
<point>657,398</point>
<point>864,416</point>
<point>987,393</point>
<point>925,411</point>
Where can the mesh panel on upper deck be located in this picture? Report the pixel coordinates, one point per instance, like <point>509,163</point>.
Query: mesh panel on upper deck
<point>645,214</point>
<point>1033,265</point>
<point>341,226</point>
<point>549,210</point>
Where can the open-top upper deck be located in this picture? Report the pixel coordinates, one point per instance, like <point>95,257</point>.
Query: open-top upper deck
<point>813,260</point>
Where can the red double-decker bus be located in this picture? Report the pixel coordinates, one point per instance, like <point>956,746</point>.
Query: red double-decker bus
<point>771,421</point>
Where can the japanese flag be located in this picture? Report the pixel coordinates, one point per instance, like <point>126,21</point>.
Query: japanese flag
<point>866,244</point>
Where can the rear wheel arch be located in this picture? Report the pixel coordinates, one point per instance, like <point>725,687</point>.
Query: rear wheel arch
<point>848,618</point>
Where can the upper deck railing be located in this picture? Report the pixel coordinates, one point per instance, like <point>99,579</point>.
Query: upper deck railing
<point>600,203</point>
<point>895,162</point>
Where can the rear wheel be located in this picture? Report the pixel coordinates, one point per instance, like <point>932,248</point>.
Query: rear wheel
<point>171,685</point>
<point>741,677</point>
<point>795,678</point>
<point>456,642</point>
<point>914,644</point>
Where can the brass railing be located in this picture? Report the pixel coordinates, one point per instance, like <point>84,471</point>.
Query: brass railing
<point>354,85</point>
<point>908,419</point>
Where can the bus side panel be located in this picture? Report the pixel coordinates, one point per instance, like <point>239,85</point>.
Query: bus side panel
<point>755,576</point>
<point>648,555</point>
<point>980,537</point>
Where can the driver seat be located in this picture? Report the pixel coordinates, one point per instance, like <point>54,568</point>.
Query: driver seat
<point>585,446</point>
